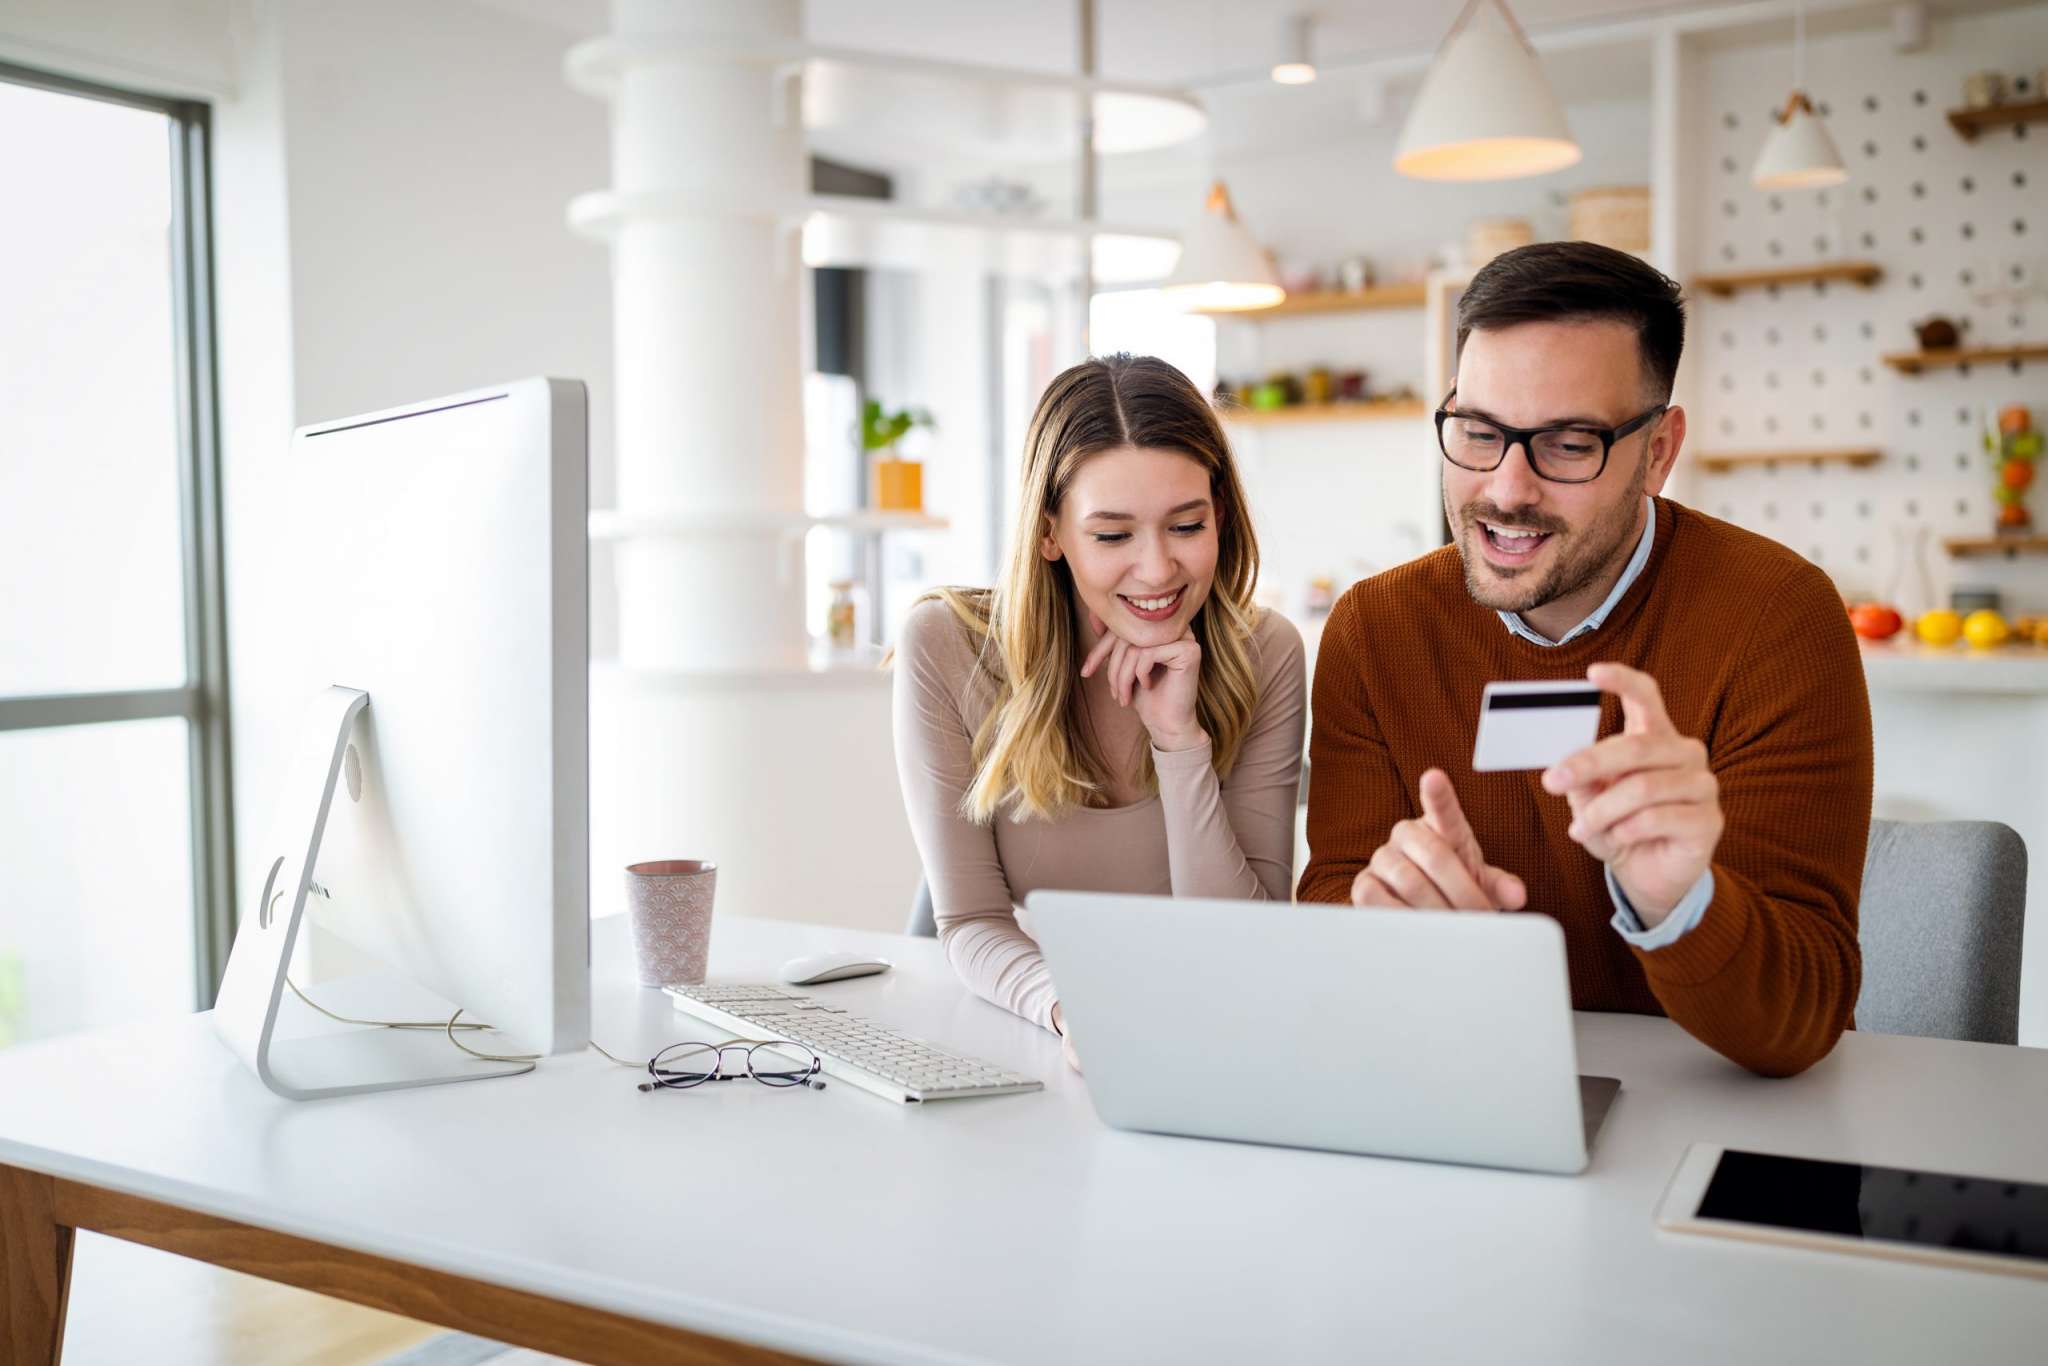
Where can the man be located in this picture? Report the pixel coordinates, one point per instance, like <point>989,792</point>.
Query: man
<point>1705,856</point>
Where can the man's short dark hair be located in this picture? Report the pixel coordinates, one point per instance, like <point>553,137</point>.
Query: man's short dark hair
<point>1581,282</point>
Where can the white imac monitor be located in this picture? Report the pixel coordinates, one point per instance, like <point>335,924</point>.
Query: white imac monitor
<point>436,812</point>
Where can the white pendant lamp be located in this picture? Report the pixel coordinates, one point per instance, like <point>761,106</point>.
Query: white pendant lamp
<point>1222,268</point>
<point>1297,64</point>
<point>1798,153</point>
<point>1485,110</point>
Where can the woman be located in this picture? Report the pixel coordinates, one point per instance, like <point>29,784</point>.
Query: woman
<point>1114,715</point>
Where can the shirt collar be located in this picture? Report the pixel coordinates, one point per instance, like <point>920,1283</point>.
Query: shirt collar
<point>1629,574</point>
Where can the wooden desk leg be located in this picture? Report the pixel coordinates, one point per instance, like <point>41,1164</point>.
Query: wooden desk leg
<point>35,1269</point>
<point>38,1215</point>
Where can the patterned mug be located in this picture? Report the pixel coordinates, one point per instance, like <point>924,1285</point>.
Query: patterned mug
<point>670,904</point>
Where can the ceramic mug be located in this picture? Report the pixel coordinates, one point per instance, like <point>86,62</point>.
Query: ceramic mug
<point>669,902</point>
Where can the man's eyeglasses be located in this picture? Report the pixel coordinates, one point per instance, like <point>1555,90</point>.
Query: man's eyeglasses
<point>772,1062</point>
<point>1566,454</point>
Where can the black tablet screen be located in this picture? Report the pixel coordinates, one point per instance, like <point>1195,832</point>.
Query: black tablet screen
<point>1934,1209</point>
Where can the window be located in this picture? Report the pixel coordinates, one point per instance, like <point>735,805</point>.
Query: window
<point>1145,323</point>
<point>114,816</point>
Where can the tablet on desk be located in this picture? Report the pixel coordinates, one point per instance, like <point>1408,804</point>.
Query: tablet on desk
<point>1944,1218</point>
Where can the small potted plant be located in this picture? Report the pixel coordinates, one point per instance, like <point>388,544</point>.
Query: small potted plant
<point>899,483</point>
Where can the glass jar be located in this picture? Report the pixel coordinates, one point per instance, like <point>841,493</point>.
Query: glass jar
<point>842,625</point>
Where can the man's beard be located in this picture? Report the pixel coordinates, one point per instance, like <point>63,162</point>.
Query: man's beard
<point>1582,556</point>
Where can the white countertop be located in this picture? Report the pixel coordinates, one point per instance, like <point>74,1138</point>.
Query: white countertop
<point>1911,667</point>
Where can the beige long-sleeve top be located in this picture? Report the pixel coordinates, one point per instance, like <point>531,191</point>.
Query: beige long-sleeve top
<point>1198,837</point>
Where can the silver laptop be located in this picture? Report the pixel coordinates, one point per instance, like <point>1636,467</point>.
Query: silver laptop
<point>1442,1035</point>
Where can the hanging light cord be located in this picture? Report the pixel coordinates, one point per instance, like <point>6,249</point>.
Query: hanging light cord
<point>1799,45</point>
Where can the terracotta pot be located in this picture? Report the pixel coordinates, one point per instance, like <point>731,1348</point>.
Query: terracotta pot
<point>1936,334</point>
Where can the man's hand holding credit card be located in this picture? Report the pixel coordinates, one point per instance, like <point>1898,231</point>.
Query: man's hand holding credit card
<point>1644,803</point>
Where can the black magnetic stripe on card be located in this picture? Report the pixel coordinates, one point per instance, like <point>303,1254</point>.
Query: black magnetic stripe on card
<point>1520,701</point>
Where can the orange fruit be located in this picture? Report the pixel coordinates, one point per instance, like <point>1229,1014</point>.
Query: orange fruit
<point>1939,627</point>
<point>2016,474</point>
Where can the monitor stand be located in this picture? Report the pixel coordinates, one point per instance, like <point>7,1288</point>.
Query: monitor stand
<point>252,994</point>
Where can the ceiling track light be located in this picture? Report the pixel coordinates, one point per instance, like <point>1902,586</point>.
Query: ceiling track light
<point>1297,61</point>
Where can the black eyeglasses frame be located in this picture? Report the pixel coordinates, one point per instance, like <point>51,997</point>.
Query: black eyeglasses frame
<point>1524,436</point>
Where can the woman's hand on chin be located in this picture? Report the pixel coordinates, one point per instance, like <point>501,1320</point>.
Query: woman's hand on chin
<point>1160,682</point>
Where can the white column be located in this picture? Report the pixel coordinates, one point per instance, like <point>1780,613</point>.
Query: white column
<point>708,161</point>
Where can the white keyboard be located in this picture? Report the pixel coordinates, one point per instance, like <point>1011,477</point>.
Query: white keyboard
<point>854,1050</point>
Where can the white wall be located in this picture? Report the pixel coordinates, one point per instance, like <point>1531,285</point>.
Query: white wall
<point>167,47</point>
<point>430,167</point>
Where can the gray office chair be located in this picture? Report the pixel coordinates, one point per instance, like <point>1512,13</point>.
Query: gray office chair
<point>1940,923</point>
<point>923,920</point>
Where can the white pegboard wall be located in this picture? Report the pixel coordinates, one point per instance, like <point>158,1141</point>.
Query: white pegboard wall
<point>1959,228</point>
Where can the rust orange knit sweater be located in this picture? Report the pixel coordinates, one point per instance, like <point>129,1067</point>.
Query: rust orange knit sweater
<point>1753,653</point>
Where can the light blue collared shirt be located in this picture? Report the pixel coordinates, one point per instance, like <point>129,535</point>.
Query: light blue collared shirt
<point>1692,907</point>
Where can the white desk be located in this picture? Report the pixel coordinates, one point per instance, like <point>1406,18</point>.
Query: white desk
<point>1017,1229</point>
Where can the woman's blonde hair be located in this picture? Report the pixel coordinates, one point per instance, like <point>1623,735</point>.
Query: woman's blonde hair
<point>1033,756</point>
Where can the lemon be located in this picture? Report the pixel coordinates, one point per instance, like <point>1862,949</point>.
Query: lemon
<point>1984,629</point>
<point>1939,627</point>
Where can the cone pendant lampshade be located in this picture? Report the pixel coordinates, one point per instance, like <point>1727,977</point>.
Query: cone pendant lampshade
<point>1221,267</point>
<point>1485,110</point>
<point>1798,153</point>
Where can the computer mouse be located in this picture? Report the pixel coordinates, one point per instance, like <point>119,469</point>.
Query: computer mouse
<point>812,969</point>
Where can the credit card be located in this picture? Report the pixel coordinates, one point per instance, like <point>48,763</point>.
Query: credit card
<point>1534,725</point>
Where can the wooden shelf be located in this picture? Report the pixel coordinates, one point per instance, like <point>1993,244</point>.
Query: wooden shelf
<point>1864,273</point>
<point>1970,122</point>
<point>875,521</point>
<point>1332,301</point>
<point>1721,462</point>
<point>1913,362</point>
<point>1325,412</point>
<point>1972,547</point>
<point>614,524</point>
